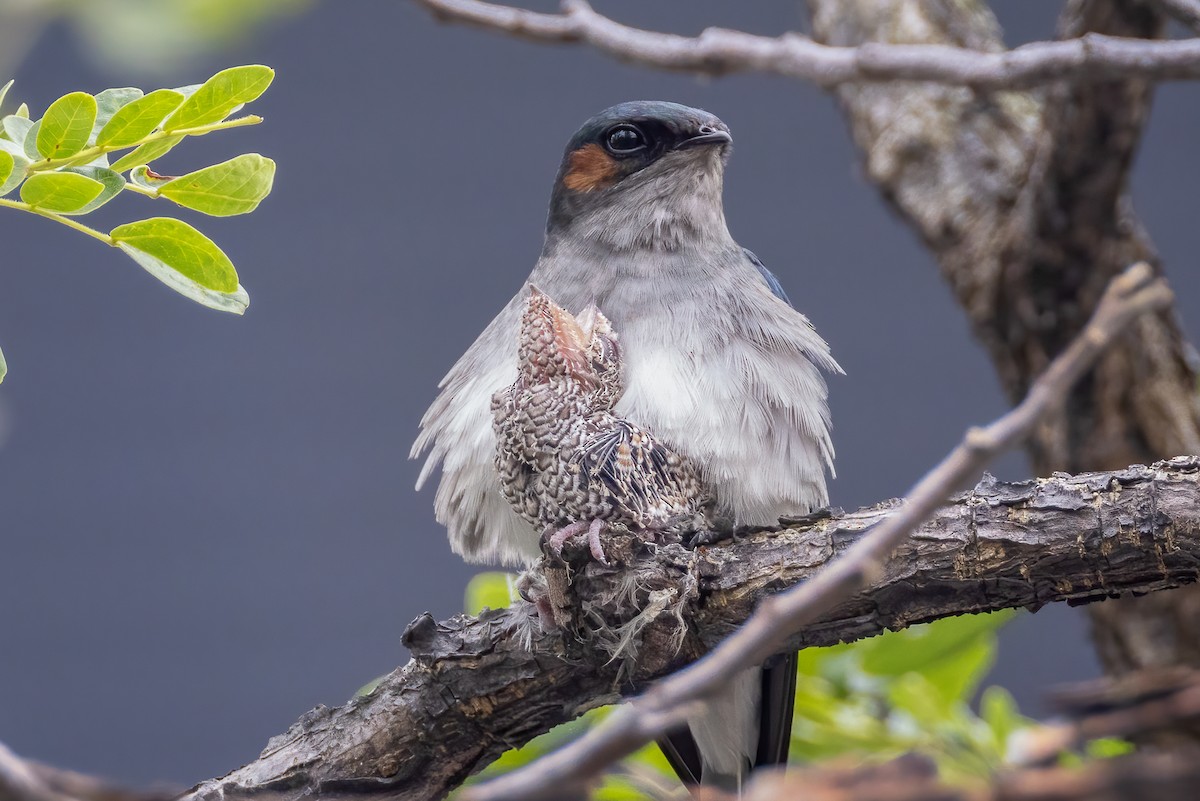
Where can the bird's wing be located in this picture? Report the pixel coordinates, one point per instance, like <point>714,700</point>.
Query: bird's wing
<point>779,678</point>
<point>607,459</point>
<point>457,433</point>
<point>627,464</point>
<point>768,276</point>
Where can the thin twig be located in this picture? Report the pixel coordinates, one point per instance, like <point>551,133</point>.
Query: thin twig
<point>18,781</point>
<point>719,51</point>
<point>1185,12</point>
<point>26,780</point>
<point>667,704</point>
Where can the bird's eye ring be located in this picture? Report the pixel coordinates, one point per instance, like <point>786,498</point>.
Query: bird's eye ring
<point>622,140</point>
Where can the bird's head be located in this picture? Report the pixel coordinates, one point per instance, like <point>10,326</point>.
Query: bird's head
<point>555,346</point>
<point>642,162</point>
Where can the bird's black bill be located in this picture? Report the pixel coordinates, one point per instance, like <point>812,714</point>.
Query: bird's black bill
<point>710,137</point>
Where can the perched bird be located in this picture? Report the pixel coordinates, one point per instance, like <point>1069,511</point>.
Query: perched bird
<point>567,462</point>
<point>716,364</point>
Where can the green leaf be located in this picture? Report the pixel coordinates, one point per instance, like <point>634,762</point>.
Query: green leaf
<point>30,143</point>
<point>219,95</point>
<point>1106,747</point>
<point>19,163</point>
<point>112,181</point>
<point>232,187</point>
<point>999,711</point>
<point>67,125</point>
<point>138,119</point>
<point>4,91</point>
<point>491,589</point>
<point>3,364</point>
<point>919,647</point>
<point>185,260</point>
<point>6,166</point>
<point>958,676</point>
<point>370,686</point>
<point>147,153</point>
<point>22,111</point>
<point>108,103</point>
<point>16,128</point>
<point>60,191</point>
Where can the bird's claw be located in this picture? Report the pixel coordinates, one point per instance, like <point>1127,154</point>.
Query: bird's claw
<point>555,541</point>
<point>597,549</point>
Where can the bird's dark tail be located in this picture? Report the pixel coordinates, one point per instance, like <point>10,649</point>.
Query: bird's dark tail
<point>775,725</point>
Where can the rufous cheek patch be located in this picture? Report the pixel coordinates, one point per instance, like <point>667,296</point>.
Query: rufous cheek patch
<point>590,168</point>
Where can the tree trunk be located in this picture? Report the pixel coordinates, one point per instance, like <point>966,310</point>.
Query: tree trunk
<point>1023,199</point>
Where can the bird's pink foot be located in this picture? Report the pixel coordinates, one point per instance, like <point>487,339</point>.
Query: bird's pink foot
<point>559,538</point>
<point>594,529</point>
<point>532,587</point>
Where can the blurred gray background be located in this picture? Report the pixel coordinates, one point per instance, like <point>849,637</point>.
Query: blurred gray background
<point>209,523</point>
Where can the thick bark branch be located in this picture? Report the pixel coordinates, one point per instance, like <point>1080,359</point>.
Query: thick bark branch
<point>719,51</point>
<point>476,687</point>
<point>1023,200</point>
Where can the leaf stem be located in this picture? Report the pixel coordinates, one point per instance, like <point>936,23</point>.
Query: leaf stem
<point>95,151</point>
<point>141,190</point>
<point>67,221</point>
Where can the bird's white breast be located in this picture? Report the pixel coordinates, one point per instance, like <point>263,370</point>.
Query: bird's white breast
<point>717,403</point>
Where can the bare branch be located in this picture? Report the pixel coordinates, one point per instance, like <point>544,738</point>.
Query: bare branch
<point>24,780</point>
<point>1185,12</point>
<point>18,782</point>
<point>668,703</point>
<point>718,51</point>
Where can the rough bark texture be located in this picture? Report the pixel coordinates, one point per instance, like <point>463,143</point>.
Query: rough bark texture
<point>479,686</point>
<point>1023,199</point>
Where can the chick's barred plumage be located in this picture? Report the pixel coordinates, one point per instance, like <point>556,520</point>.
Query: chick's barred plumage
<point>563,454</point>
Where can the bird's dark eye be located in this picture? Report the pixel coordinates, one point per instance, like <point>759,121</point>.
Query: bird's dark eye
<point>624,139</point>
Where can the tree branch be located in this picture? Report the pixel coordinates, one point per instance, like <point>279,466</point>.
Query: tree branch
<point>1185,12</point>
<point>719,51</point>
<point>475,687</point>
<point>24,780</point>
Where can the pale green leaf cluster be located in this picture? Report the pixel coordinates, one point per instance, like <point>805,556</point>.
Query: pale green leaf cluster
<point>88,149</point>
<point>908,691</point>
